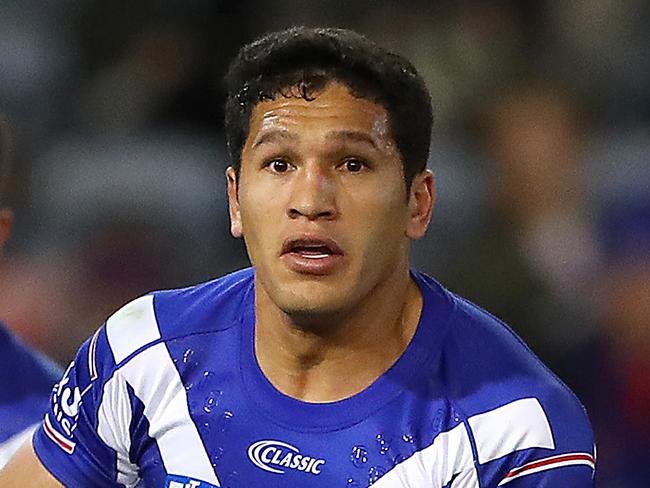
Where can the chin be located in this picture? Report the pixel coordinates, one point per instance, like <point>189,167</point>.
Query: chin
<point>312,306</point>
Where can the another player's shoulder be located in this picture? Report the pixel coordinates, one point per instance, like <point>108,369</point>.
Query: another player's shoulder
<point>38,373</point>
<point>25,395</point>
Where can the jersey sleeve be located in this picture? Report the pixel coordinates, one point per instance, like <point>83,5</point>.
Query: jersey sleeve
<point>536,442</point>
<point>526,427</point>
<point>83,439</point>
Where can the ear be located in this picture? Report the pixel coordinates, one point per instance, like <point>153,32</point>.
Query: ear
<point>233,203</point>
<point>6,223</point>
<point>422,197</point>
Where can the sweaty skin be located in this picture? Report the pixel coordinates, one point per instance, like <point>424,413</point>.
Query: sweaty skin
<point>328,170</point>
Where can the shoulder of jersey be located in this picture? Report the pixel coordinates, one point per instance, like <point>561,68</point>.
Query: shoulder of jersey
<point>171,314</point>
<point>489,366</point>
<point>511,401</point>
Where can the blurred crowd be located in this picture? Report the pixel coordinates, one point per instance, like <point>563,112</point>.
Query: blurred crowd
<point>541,150</point>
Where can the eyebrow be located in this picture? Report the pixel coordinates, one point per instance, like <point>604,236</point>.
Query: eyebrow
<point>274,135</point>
<point>277,135</point>
<point>353,135</point>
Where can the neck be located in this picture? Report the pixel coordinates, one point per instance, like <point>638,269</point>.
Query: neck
<point>307,357</point>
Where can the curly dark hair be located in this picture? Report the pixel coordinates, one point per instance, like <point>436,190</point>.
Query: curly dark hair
<point>300,61</point>
<point>4,162</point>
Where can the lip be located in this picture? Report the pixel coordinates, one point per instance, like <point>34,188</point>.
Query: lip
<point>311,240</point>
<point>312,263</point>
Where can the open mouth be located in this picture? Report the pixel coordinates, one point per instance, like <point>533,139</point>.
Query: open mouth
<point>312,255</point>
<point>312,252</point>
<point>312,248</point>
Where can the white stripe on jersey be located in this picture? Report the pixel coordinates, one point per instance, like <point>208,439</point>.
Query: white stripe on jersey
<point>157,384</point>
<point>448,458</point>
<point>132,327</point>
<point>518,425</point>
<point>92,361</point>
<point>113,422</point>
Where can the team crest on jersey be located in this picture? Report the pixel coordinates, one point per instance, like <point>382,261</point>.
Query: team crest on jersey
<point>277,457</point>
<point>175,481</point>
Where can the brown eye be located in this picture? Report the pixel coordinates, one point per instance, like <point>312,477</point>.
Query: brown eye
<point>353,165</point>
<point>278,165</point>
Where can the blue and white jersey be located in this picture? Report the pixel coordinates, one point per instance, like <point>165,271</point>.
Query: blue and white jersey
<point>168,393</point>
<point>26,379</point>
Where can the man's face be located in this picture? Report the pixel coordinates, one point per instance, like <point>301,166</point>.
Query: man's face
<point>321,201</point>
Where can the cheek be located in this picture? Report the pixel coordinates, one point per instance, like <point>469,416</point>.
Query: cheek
<point>259,220</point>
<point>254,206</point>
<point>383,223</point>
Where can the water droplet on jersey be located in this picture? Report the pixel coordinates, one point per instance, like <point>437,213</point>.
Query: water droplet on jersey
<point>409,441</point>
<point>187,355</point>
<point>359,456</point>
<point>383,444</point>
<point>398,458</point>
<point>455,415</point>
<point>374,473</point>
<point>225,419</point>
<point>351,483</point>
<point>408,438</point>
<point>216,457</point>
<point>212,400</point>
<point>206,379</point>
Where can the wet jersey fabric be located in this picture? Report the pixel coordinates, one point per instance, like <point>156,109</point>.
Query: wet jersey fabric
<point>168,393</point>
<point>26,379</point>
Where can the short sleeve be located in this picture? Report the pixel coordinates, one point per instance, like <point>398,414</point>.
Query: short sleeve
<point>73,442</point>
<point>536,442</point>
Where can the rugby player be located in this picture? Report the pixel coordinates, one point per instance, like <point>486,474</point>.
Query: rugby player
<point>26,377</point>
<point>329,362</point>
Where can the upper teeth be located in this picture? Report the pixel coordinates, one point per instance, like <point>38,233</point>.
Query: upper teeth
<point>316,256</point>
<point>312,248</point>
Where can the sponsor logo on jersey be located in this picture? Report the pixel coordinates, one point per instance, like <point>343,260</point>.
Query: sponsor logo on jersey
<point>276,457</point>
<point>61,422</point>
<point>66,399</point>
<point>175,481</point>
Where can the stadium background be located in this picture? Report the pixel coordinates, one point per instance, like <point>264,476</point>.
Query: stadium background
<point>541,148</point>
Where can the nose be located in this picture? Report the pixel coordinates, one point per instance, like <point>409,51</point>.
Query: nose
<point>313,194</point>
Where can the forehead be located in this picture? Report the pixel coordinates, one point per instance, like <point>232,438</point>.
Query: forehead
<point>331,110</point>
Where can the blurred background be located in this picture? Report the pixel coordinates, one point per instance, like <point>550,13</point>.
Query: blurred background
<point>541,149</point>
